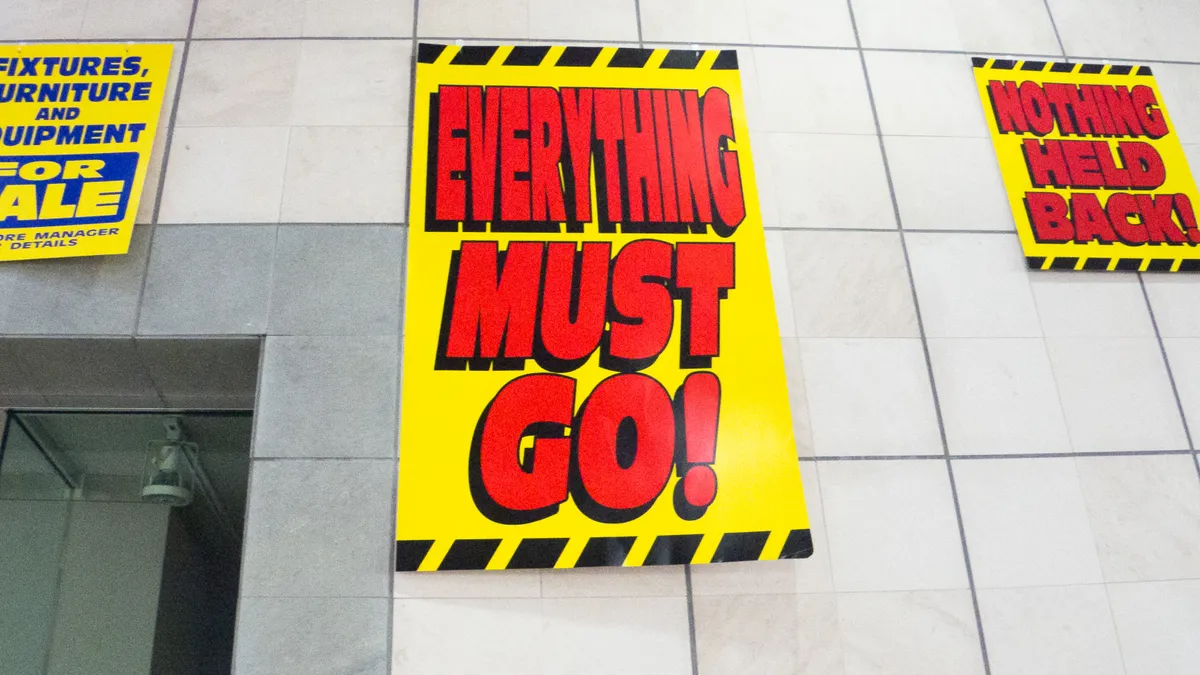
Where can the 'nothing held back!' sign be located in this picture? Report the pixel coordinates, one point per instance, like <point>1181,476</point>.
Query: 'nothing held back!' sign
<point>77,123</point>
<point>593,373</point>
<point>1095,172</point>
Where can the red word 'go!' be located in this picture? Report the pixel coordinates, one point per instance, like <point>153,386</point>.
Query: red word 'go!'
<point>614,456</point>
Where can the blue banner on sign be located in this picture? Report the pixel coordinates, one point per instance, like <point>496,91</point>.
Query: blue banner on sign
<point>50,190</point>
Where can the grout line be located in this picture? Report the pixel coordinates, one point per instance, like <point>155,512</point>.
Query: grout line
<point>691,615</point>
<point>937,407</point>
<point>1015,455</point>
<point>395,464</point>
<point>637,12</point>
<point>1162,348</point>
<point>1196,460</point>
<point>162,169</point>
<point>567,41</point>
<point>819,228</point>
<point>1054,26</point>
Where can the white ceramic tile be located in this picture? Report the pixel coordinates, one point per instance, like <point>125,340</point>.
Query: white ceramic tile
<point>771,577</point>
<point>948,183</point>
<point>358,18</point>
<point>502,636</point>
<point>1026,523</point>
<point>474,18</point>
<point>352,83</point>
<point>468,584</point>
<point>1158,624</point>
<point>972,285</point>
<point>136,19</point>
<point>1180,87</point>
<point>1184,354</point>
<point>244,83</point>
<point>605,582</point>
<point>1005,26</point>
<point>926,95</point>
<point>891,525</point>
<point>869,397</point>
<point>1091,305</point>
<point>1062,630</point>
<point>638,636</point>
<point>249,18</point>
<point>1145,514</point>
<point>1176,302</point>
<point>1115,394</point>
<point>926,632</point>
<point>1150,29</point>
<point>346,175</point>
<point>797,397</point>
<point>818,23</point>
<point>694,21</point>
<point>583,20</point>
<point>225,175</point>
<point>791,81</point>
<point>768,634</point>
<point>829,180</point>
<point>780,285</point>
<point>42,19</point>
<point>998,396</point>
<point>849,284</point>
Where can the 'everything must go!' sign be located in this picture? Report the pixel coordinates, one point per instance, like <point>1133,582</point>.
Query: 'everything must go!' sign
<point>592,365</point>
<point>77,124</point>
<point>1095,172</point>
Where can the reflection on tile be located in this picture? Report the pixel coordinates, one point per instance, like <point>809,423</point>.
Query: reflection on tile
<point>474,19</point>
<point>243,165</point>
<point>998,396</point>
<point>1101,305</point>
<point>797,397</point>
<point>869,397</point>
<point>768,634</point>
<point>1020,26</point>
<point>972,285</point>
<point>590,20</point>
<point>829,180</point>
<point>605,582</point>
<point>311,636</point>
<point>891,526</point>
<point>1026,523</point>
<point>694,21</point>
<point>1101,375</point>
<point>791,79</point>
<point>1151,29</point>
<point>1158,624</point>
<point>948,183</point>
<point>346,175</point>
<point>926,632</point>
<point>849,284</point>
<point>468,584</point>
<point>600,636</point>
<point>926,95</point>
<point>1145,514</point>
<point>500,636</point>
<point>1061,630</point>
<point>239,84</point>
<point>814,22</point>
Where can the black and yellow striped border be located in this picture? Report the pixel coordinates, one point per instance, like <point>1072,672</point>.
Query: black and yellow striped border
<point>546,553</point>
<point>1058,67</point>
<point>533,56</point>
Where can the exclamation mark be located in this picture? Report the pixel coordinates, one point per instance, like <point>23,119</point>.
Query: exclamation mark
<point>1187,217</point>
<point>698,406</point>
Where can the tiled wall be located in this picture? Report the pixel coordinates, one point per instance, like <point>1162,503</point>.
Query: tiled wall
<point>998,463</point>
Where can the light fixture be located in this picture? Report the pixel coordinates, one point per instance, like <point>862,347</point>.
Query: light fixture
<point>167,478</point>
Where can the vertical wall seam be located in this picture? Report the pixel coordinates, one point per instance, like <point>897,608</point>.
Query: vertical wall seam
<point>924,341</point>
<point>1054,27</point>
<point>691,616</point>
<point>162,171</point>
<point>1162,348</point>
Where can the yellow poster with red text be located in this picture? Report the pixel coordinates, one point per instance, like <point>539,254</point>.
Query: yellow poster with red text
<point>77,124</point>
<point>1095,172</point>
<point>593,373</point>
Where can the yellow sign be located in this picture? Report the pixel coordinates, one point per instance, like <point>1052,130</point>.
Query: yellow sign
<point>77,123</point>
<point>592,365</point>
<point>1095,173</point>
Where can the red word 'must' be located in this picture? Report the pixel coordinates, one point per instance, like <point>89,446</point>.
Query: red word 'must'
<point>557,304</point>
<point>521,158</point>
